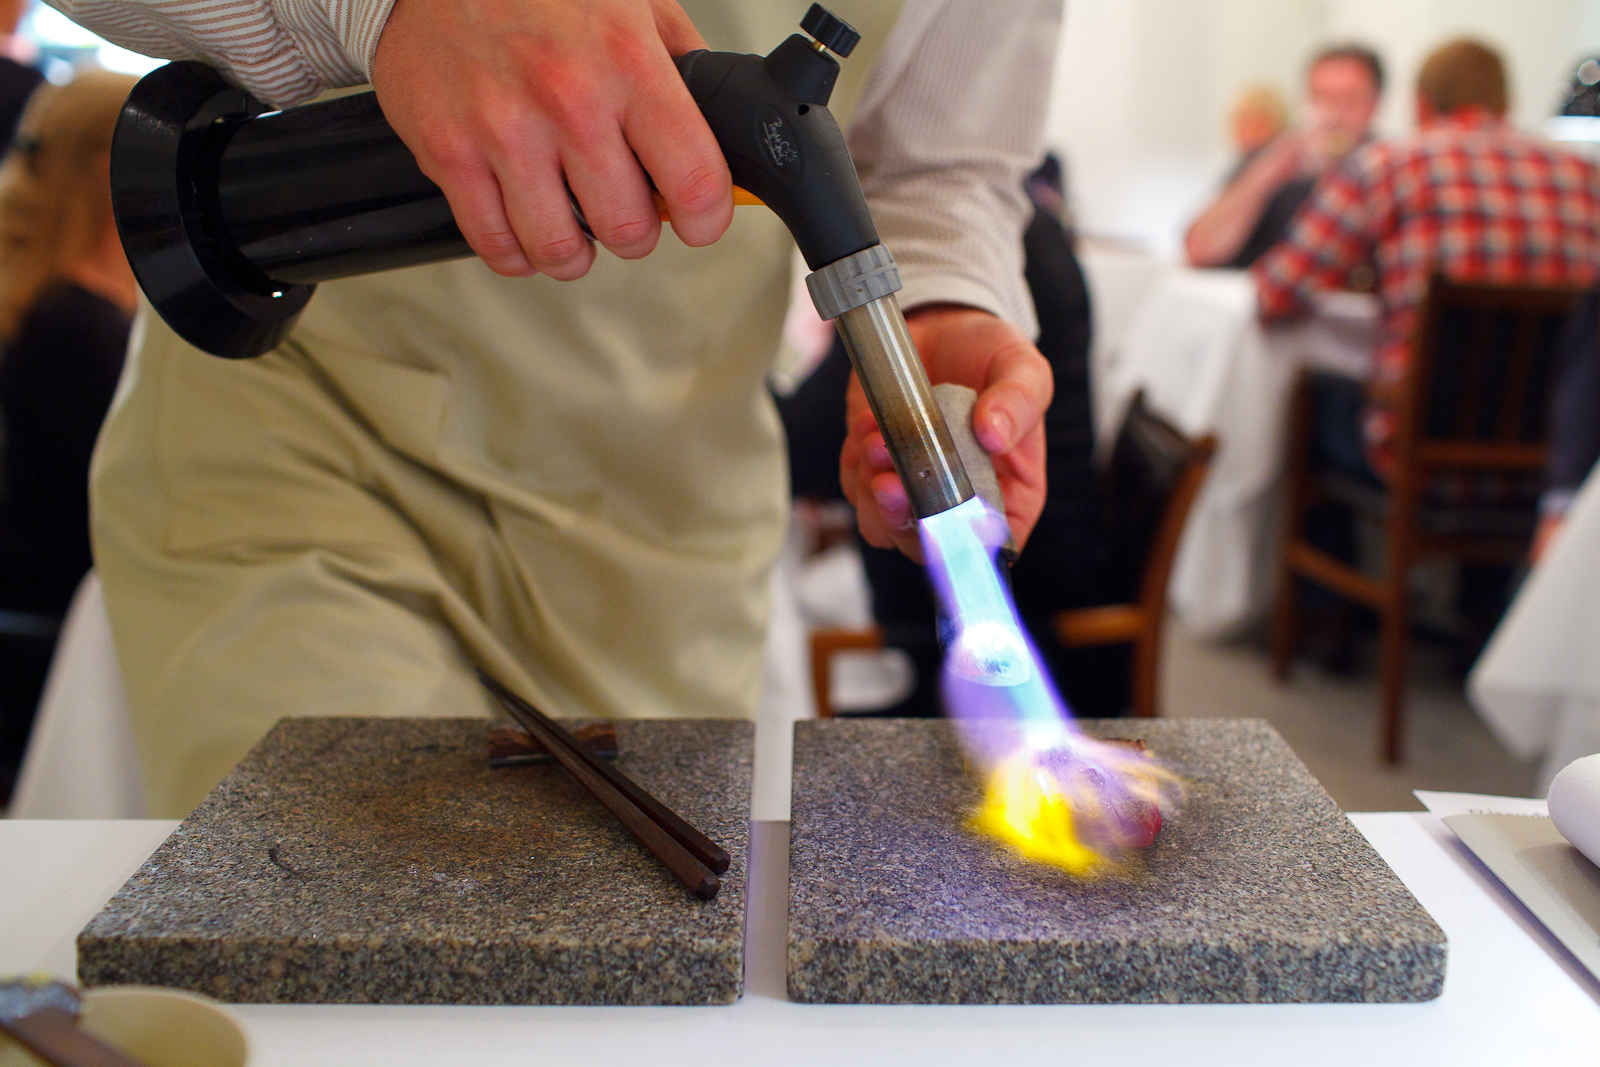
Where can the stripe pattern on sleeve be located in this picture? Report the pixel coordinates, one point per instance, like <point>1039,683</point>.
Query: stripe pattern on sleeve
<point>282,51</point>
<point>951,123</point>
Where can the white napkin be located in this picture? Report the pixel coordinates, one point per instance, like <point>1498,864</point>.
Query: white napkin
<point>1575,805</point>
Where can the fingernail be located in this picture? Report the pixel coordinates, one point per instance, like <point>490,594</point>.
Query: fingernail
<point>1000,427</point>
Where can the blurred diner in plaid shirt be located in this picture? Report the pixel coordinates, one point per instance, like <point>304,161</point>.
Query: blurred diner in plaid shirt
<point>1468,196</point>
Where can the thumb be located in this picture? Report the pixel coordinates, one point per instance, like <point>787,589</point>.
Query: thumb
<point>1010,408</point>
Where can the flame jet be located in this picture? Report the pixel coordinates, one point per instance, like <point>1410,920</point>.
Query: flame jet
<point>1054,795</point>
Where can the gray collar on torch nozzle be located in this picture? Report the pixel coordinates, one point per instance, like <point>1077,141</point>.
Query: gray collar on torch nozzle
<point>857,293</point>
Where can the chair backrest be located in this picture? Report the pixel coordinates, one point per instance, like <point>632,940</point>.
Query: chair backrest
<point>1150,483</point>
<point>1481,373</point>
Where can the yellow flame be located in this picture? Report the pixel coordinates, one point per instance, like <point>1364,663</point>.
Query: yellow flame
<point>1076,823</point>
<point>1028,810</point>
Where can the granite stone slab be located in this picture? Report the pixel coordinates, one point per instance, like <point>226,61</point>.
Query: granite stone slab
<point>382,861</point>
<point>1258,890</point>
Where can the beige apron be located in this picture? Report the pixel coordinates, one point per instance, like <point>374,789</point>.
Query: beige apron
<point>577,485</point>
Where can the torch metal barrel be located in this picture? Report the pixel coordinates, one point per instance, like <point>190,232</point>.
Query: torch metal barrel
<point>897,387</point>
<point>857,293</point>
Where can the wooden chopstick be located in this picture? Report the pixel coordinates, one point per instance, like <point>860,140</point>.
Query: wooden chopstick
<point>704,849</point>
<point>640,812</point>
<point>54,1036</point>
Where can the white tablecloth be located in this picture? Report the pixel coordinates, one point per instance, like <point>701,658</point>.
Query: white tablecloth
<point>80,762</point>
<point>1205,361</point>
<point>1119,282</point>
<point>1511,995</point>
<point>1537,684</point>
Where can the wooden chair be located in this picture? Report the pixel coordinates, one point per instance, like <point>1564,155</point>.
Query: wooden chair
<point>1150,484</point>
<point>1473,401</point>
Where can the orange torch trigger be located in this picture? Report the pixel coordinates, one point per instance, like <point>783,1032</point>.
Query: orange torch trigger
<point>741,198</point>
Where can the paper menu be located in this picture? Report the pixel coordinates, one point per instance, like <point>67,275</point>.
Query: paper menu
<point>1551,878</point>
<point>1447,804</point>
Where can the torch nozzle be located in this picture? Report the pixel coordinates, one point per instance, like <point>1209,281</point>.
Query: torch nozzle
<point>857,293</point>
<point>960,535</point>
<point>897,389</point>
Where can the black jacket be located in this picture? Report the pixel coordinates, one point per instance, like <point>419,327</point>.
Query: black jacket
<point>56,381</point>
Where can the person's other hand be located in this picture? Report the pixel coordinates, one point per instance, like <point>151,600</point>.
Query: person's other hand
<point>500,100</point>
<point>1289,156</point>
<point>1325,146</point>
<point>973,348</point>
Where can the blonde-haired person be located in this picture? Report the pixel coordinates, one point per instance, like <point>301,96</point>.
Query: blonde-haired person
<point>66,301</point>
<point>1258,115</point>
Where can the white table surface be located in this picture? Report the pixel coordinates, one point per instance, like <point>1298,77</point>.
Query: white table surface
<point>1511,995</point>
<point>1537,683</point>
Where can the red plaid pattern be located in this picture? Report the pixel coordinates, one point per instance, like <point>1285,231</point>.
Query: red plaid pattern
<point>1477,201</point>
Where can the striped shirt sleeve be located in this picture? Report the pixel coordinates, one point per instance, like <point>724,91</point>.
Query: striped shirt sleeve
<point>283,51</point>
<point>950,124</point>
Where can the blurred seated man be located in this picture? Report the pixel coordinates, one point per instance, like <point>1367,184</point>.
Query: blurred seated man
<point>1574,419</point>
<point>1272,180</point>
<point>1468,196</point>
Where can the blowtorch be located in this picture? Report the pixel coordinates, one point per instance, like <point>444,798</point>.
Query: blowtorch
<point>231,213</point>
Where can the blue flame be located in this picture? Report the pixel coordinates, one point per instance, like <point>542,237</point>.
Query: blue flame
<point>992,670</point>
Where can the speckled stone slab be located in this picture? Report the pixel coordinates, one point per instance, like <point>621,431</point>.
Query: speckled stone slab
<point>1258,890</point>
<point>382,861</point>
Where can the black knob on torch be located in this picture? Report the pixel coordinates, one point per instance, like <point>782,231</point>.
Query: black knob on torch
<point>830,31</point>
